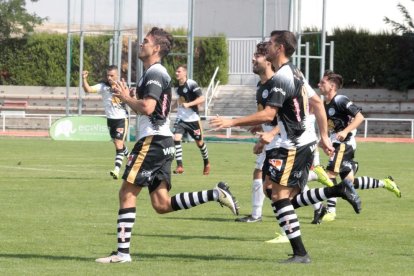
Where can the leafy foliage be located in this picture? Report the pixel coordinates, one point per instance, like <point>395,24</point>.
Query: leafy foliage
<point>15,20</point>
<point>407,27</point>
<point>41,59</point>
<point>366,60</point>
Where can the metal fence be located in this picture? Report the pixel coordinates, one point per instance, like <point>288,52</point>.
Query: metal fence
<point>43,122</point>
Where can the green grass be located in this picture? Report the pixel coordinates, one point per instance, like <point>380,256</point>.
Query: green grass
<point>59,210</point>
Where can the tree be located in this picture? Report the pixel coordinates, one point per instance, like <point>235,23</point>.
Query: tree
<point>15,20</point>
<point>407,27</point>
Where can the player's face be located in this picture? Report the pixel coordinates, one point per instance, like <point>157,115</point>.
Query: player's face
<point>325,86</point>
<point>112,76</point>
<point>273,49</point>
<point>146,48</point>
<point>180,73</point>
<point>259,64</point>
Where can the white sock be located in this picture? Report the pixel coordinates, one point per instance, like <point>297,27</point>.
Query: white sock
<point>257,198</point>
<point>312,176</point>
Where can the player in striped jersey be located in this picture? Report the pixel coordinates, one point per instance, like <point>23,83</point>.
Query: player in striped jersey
<point>188,120</point>
<point>149,164</point>
<point>115,111</point>
<point>344,117</point>
<point>289,101</point>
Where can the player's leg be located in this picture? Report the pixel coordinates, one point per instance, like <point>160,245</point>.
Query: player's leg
<point>331,202</point>
<point>280,235</point>
<point>345,189</point>
<point>178,131</point>
<point>257,192</point>
<point>196,133</point>
<point>336,164</point>
<point>366,182</point>
<point>126,219</point>
<point>317,172</point>
<point>155,172</point>
<point>163,203</point>
<point>118,129</point>
<point>288,172</point>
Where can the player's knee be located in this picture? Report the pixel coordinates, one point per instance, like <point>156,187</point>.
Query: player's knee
<point>161,208</point>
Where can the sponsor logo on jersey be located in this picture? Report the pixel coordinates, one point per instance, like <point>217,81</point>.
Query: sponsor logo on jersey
<point>276,163</point>
<point>265,94</point>
<point>297,174</point>
<point>331,111</point>
<point>347,164</point>
<point>153,82</point>
<point>349,104</point>
<point>169,151</point>
<point>185,90</point>
<point>280,90</point>
<point>147,174</point>
<point>312,148</point>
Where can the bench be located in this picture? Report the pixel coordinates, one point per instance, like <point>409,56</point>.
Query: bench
<point>11,104</point>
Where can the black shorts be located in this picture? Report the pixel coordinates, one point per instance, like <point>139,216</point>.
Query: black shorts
<point>193,128</point>
<point>342,161</point>
<point>118,128</point>
<point>265,167</point>
<point>149,162</point>
<point>291,167</point>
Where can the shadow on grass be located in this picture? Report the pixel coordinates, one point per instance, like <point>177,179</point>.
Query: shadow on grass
<point>188,257</point>
<point>191,237</point>
<point>200,219</point>
<point>136,257</point>
<point>45,257</point>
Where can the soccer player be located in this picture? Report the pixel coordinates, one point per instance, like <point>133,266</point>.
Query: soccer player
<point>289,101</point>
<point>115,111</point>
<point>188,120</point>
<point>344,117</point>
<point>149,163</point>
<point>264,69</point>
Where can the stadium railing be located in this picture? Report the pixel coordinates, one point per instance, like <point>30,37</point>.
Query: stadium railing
<point>11,121</point>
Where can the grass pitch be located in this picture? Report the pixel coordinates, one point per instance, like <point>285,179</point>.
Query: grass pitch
<point>59,210</point>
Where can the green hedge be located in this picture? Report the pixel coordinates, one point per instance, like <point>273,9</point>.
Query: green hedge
<point>40,60</point>
<point>366,60</point>
<point>363,59</point>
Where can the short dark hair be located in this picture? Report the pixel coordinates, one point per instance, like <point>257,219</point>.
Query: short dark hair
<point>335,78</point>
<point>112,67</point>
<point>184,66</point>
<point>261,48</point>
<point>287,39</point>
<point>162,38</point>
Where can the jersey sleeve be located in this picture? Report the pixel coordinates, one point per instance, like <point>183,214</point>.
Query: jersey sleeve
<point>153,84</point>
<point>194,88</point>
<point>97,88</point>
<point>347,106</point>
<point>277,94</point>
